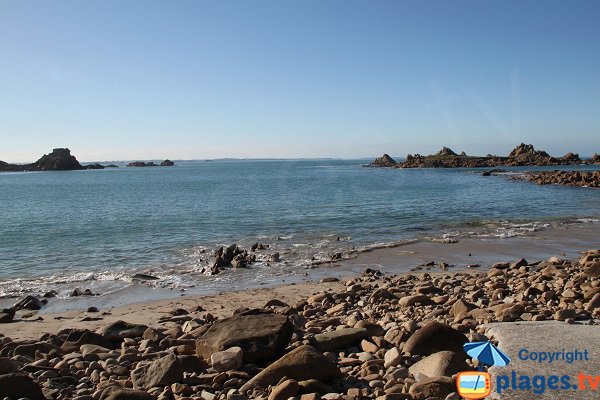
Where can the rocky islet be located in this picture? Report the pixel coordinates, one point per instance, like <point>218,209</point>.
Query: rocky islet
<point>61,159</point>
<point>522,155</point>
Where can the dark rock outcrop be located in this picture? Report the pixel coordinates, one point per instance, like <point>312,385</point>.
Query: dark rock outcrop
<point>167,163</point>
<point>230,256</point>
<point>384,161</point>
<point>59,160</point>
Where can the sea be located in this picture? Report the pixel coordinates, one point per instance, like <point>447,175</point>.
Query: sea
<point>97,229</point>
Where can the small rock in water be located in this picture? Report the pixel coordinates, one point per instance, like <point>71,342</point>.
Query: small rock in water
<point>144,277</point>
<point>29,303</point>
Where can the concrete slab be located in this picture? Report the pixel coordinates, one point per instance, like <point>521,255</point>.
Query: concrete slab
<point>551,337</point>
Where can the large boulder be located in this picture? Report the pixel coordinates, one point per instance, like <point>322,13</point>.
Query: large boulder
<point>17,386</point>
<point>167,163</point>
<point>120,330</point>
<point>434,337</point>
<point>302,364</point>
<point>339,339</point>
<point>260,335</point>
<point>443,363</point>
<point>162,372</point>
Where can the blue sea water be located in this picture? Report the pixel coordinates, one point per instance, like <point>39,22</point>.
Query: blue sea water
<point>63,229</point>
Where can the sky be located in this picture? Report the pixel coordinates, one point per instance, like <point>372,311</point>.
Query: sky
<point>122,80</point>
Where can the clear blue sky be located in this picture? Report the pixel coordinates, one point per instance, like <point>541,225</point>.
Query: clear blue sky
<point>199,79</point>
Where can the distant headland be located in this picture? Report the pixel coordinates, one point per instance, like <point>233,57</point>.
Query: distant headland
<point>62,160</point>
<point>522,155</point>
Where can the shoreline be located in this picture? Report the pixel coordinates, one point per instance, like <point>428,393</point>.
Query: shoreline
<point>142,305</point>
<point>370,336</point>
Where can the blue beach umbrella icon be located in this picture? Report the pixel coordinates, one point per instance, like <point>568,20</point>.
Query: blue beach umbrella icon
<point>487,354</point>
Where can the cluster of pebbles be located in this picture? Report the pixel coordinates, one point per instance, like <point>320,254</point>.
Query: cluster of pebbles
<point>378,337</point>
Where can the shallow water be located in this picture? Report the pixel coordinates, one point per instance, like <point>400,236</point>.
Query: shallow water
<point>95,229</point>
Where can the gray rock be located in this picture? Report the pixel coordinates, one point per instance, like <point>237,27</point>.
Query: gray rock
<point>339,339</point>
<point>230,359</point>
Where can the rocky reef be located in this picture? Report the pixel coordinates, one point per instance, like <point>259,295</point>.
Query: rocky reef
<point>522,155</point>
<point>566,178</point>
<point>140,164</point>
